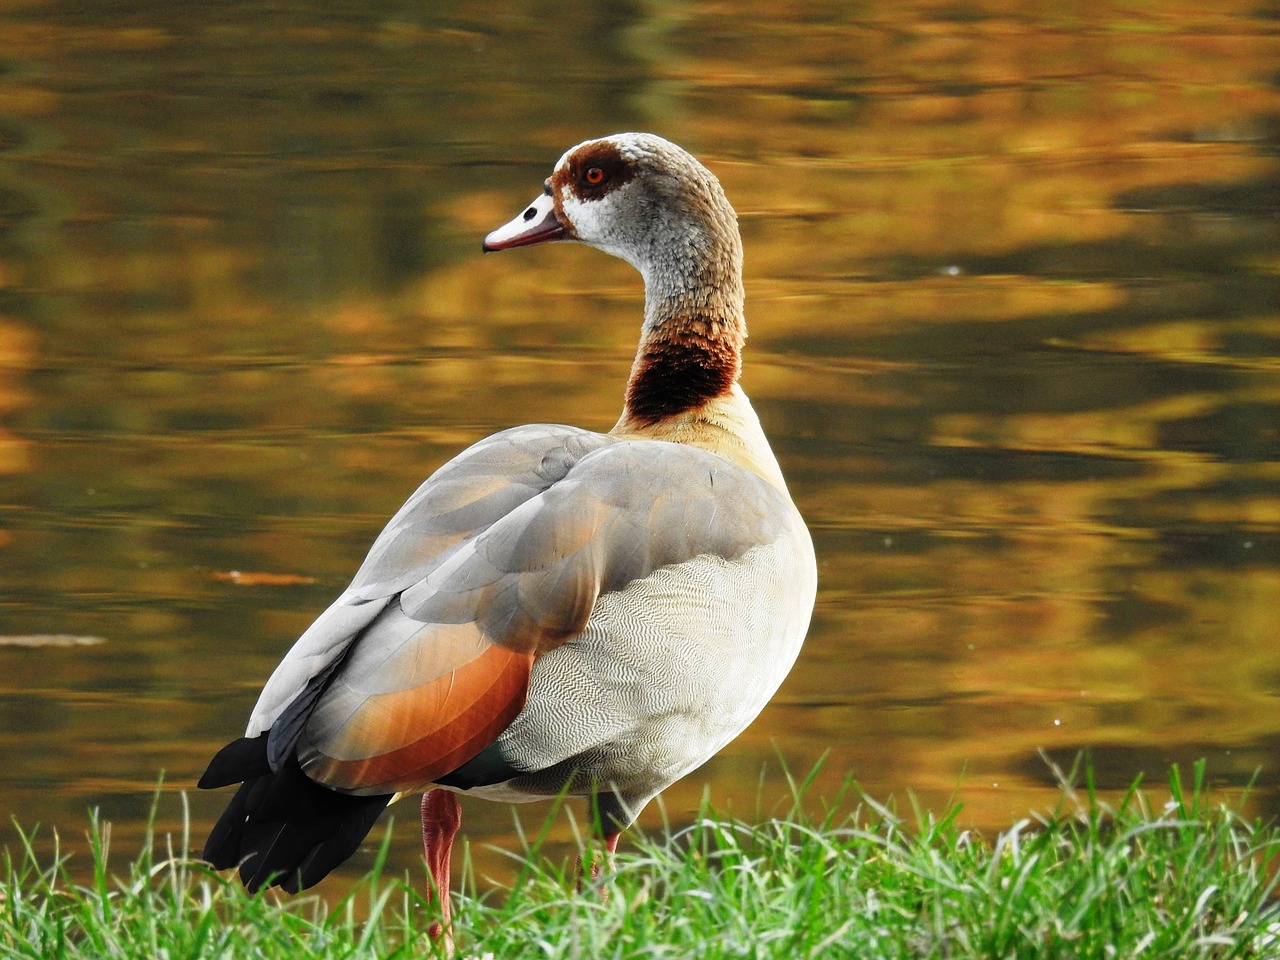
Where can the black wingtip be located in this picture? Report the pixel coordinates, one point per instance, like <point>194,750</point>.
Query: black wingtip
<point>284,829</point>
<point>238,761</point>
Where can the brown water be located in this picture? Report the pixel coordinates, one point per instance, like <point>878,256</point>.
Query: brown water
<point>1014,294</point>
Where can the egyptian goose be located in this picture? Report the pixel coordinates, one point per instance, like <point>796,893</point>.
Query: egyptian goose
<point>554,610</point>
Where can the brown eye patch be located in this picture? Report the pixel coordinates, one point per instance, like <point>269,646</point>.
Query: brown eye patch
<point>595,170</point>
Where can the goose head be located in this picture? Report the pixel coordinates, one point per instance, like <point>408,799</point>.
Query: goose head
<point>643,199</point>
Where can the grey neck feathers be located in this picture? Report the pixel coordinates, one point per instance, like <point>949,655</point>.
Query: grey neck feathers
<point>698,277</point>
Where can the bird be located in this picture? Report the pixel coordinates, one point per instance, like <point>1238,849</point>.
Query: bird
<point>555,611</point>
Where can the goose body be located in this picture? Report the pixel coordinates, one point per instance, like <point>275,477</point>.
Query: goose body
<point>554,610</point>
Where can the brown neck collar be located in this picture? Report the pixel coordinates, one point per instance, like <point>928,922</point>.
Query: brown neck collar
<point>682,364</point>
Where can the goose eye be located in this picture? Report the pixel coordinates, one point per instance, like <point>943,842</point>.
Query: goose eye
<point>594,176</point>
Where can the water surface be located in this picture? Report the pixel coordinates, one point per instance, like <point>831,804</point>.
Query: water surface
<point>1015,317</point>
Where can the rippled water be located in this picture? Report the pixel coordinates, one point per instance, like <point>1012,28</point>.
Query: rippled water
<point>1013,295</point>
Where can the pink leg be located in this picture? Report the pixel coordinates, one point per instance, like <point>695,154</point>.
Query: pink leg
<point>610,849</point>
<point>441,818</point>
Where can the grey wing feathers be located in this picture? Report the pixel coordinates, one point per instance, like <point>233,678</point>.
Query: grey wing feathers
<point>620,513</point>
<point>479,486</point>
<point>485,482</point>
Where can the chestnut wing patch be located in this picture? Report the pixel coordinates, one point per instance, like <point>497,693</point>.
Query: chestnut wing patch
<point>405,738</point>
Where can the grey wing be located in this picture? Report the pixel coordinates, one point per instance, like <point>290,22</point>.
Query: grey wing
<point>484,483</point>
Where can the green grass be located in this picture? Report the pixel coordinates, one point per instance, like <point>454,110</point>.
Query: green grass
<point>1185,878</point>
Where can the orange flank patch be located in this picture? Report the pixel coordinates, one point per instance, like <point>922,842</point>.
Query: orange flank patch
<point>447,721</point>
<point>244,578</point>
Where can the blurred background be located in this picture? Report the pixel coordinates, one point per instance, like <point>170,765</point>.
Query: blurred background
<point>1013,276</point>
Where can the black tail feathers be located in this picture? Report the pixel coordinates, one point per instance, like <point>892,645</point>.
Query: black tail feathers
<point>282,828</point>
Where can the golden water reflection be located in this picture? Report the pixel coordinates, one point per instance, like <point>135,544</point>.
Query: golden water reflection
<point>1012,287</point>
